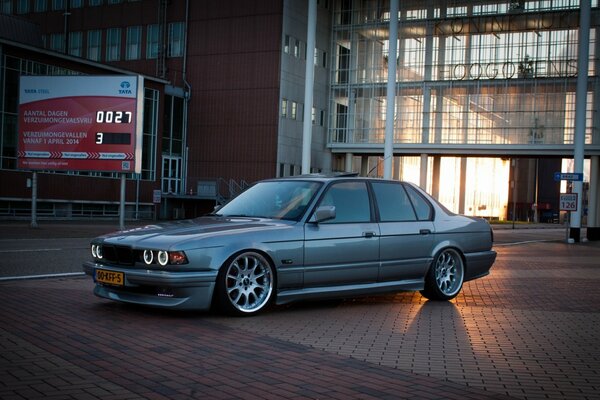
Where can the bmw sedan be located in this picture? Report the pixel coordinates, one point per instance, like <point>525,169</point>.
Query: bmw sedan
<point>291,239</point>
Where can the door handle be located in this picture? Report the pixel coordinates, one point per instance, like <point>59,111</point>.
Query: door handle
<point>424,232</point>
<point>368,234</point>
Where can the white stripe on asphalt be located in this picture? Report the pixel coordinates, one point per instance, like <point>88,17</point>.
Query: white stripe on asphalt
<point>66,274</point>
<point>27,250</point>
<point>526,242</point>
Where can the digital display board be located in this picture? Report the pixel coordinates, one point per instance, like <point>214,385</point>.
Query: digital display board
<point>80,123</point>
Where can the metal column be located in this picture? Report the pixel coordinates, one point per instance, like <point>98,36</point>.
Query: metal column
<point>388,148</point>
<point>580,112</point>
<point>309,84</point>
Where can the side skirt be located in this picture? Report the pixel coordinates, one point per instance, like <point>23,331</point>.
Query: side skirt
<point>328,292</point>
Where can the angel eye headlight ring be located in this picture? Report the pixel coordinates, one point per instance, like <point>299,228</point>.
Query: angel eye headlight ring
<point>163,258</point>
<point>148,256</point>
<point>97,251</point>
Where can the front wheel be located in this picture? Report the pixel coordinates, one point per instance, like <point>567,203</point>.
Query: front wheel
<point>445,276</point>
<point>245,284</point>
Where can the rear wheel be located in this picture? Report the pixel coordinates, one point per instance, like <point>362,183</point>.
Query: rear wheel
<point>245,284</point>
<point>445,276</point>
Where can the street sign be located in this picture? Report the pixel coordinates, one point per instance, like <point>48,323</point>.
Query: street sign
<point>568,202</point>
<point>568,176</point>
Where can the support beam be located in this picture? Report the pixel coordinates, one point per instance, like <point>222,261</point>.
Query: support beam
<point>593,225</point>
<point>580,113</point>
<point>309,84</point>
<point>388,149</point>
<point>34,186</point>
<point>349,159</point>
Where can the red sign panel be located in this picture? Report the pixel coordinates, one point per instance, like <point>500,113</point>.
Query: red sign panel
<point>79,123</point>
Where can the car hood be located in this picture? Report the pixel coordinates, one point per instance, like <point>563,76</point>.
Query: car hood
<point>166,235</point>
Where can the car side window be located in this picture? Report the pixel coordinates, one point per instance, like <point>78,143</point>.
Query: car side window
<point>422,206</point>
<point>351,201</point>
<point>393,203</point>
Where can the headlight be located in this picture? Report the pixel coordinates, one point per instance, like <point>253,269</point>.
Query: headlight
<point>163,258</point>
<point>148,256</point>
<point>97,251</point>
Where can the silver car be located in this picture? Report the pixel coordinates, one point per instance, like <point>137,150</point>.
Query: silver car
<point>283,240</point>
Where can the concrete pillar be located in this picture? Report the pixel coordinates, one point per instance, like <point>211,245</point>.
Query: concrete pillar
<point>309,84</point>
<point>349,159</point>
<point>364,166</point>
<point>388,147</point>
<point>593,228</point>
<point>580,113</point>
<point>423,173</point>
<point>463,186</point>
<point>435,178</point>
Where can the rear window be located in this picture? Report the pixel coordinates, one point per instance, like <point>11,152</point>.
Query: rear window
<point>422,207</point>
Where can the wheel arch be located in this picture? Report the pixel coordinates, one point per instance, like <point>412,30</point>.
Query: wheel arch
<point>226,261</point>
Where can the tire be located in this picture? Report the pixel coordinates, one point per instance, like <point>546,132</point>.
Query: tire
<point>245,284</point>
<point>445,277</point>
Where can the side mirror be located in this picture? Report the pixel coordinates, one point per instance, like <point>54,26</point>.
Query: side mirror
<point>322,214</point>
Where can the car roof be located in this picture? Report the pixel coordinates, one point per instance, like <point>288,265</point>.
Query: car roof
<point>333,177</point>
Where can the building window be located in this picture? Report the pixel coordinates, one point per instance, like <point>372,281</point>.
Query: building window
<point>95,3</point>
<point>294,110</point>
<point>40,5</point>
<point>57,42</point>
<point>76,3</point>
<point>176,39</point>
<point>114,1</point>
<point>286,44</point>
<point>172,138</point>
<point>172,144</point>
<point>313,116</point>
<point>6,6</point>
<point>58,5</point>
<point>296,48</point>
<point>150,130</point>
<point>284,108</point>
<point>94,44</point>
<point>113,44</point>
<point>152,34</point>
<point>22,6</point>
<point>134,42</point>
<point>75,43</point>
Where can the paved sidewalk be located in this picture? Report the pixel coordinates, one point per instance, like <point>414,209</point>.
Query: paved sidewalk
<point>530,330</point>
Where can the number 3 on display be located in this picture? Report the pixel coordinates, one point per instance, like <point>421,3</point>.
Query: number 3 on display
<point>99,137</point>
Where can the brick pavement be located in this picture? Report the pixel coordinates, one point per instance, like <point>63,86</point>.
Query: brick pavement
<point>529,330</point>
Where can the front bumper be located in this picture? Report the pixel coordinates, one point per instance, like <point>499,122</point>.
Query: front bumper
<point>165,289</point>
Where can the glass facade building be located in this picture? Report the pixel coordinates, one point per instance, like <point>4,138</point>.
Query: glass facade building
<point>477,73</point>
<point>493,79</point>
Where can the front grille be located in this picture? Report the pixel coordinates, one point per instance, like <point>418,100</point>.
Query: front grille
<point>121,255</point>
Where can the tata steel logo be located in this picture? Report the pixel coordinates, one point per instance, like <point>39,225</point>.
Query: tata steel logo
<point>125,88</point>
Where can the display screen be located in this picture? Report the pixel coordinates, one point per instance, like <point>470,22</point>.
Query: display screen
<point>80,123</point>
<point>113,138</point>
<point>113,117</point>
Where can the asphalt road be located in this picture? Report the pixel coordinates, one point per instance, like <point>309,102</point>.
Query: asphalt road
<point>60,248</point>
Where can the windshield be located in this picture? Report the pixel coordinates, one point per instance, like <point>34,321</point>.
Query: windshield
<point>272,199</point>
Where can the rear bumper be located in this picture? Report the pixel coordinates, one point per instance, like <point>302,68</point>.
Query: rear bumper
<point>479,264</point>
<point>164,289</point>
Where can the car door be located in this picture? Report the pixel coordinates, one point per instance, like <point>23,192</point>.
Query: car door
<point>407,231</point>
<point>343,250</point>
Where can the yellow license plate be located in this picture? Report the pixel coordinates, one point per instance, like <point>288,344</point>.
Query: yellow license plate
<point>110,277</point>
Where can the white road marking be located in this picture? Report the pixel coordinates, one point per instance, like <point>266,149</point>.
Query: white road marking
<point>66,274</point>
